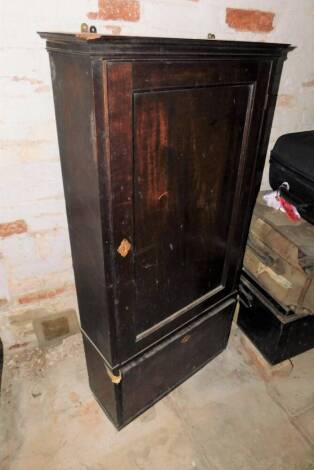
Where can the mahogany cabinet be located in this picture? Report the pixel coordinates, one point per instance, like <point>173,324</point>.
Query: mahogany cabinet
<point>162,145</point>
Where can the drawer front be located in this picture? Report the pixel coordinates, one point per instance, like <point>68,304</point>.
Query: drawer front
<point>182,148</point>
<point>154,374</point>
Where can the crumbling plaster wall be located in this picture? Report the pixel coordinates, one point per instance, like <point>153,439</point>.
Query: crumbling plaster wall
<point>36,277</point>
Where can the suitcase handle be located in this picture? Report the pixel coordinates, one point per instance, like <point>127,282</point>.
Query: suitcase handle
<point>285,193</point>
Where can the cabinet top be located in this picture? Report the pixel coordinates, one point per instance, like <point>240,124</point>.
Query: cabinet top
<point>102,45</point>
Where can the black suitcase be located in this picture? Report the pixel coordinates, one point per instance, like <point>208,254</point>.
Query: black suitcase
<point>292,161</point>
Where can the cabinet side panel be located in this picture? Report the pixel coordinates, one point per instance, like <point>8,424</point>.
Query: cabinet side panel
<point>272,78</point>
<point>102,387</point>
<point>74,106</point>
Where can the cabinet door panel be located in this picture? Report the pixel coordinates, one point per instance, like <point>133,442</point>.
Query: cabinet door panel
<point>182,148</point>
<point>187,146</point>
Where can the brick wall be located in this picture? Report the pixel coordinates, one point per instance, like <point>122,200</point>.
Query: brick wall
<point>36,278</point>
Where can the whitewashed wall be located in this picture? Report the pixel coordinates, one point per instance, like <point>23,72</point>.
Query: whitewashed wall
<point>35,261</point>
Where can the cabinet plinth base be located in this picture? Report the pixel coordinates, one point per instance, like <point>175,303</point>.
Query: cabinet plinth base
<point>152,375</point>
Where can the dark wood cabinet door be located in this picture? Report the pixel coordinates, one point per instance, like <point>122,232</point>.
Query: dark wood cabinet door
<point>182,141</point>
<point>187,145</point>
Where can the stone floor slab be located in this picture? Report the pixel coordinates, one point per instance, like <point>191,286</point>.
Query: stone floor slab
<point>238,424</point>
<point>296,392</point>
<point>223,418</point>
<point>56,424</point>
<point>305,422</point>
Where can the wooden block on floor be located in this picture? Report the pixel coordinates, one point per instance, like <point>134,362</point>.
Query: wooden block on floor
<point>263,367</point>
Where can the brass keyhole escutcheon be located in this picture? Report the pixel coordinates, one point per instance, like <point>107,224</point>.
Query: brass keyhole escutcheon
<point>124,247</point>
<point>185,339</point>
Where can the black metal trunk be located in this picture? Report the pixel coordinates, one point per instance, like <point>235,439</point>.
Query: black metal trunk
<point>278,333</point>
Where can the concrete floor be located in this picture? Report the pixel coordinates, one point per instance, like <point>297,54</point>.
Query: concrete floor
<point>226,417</point>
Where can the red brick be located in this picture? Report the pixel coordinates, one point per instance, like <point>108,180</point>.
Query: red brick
<point>31,81</point>
<point>42,89</point>
<point>255,21</point>
<point>41,295</point>
<point>115,30</point>
<point>12,228</point>
<point>126,10</point>
<point>93,15</point>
